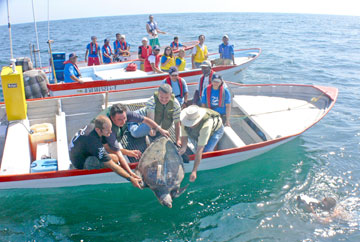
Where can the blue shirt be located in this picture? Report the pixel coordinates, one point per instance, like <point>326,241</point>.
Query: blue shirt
<point>214,99</point>
<point>176,90</point>
<point>69,71</point>
<point>227,51</point>
<point>94,49</point>
<point>106,60</point>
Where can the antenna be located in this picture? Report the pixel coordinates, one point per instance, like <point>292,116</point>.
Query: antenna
<point>9,27</point>
<point>37,36</point>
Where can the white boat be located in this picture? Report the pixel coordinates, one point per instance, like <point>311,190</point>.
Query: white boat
<point>115,77</point>
<point>262,118</point>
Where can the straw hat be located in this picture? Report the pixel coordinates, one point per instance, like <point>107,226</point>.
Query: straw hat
<point>192,115</point>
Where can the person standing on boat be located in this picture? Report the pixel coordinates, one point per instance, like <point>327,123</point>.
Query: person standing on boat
<point>124,50</point>
<point>226,52</point>
<point>107,52</point>
<point>203,125</point>
<point>144,51</point>
<point>153,61</point>
<point>167,59</point>
<point>205,80</point>
<point>199,53</point>
<point>116,46</point>
<point>153,30</point>
<point>217,97</point>
<point>164,109</point>
<point>94,53</point>
<point>71,70</point>
<point>180,61</point>
<point>175,45</point>
<point>88,152</point>
<point>179,86</point>
<point>120,117</point>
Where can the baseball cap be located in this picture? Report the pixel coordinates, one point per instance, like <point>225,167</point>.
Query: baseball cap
<point>216,78</point>
<point>206,63</point>
<point>144,39</point>
<point>72,55</point>
<point>226,36</point>
<point>156,47</point>
<point>173,70</point>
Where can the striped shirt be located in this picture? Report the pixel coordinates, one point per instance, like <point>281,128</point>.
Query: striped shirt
<point>150,109</point>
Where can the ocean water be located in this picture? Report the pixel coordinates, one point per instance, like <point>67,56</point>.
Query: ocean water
<point>249,201</point>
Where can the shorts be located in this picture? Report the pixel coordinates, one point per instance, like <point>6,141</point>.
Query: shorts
<point>92,162</point>
<point>93,61</point>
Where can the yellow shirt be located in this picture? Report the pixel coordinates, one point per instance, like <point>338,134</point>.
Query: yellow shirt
<point>204,132</point>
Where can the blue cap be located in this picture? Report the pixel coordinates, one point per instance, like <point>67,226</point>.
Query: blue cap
<point>72,55</point>
<point>173,70</point>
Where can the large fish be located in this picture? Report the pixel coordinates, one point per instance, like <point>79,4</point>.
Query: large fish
<point>161,169</point>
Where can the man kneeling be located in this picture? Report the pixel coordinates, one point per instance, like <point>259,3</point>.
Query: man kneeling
<point>88,152</point>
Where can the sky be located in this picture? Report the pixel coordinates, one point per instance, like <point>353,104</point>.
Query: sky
<point>21,10</point>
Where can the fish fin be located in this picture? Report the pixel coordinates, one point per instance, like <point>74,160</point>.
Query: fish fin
<point>147,141</point>
<point>185,158</point>
<point>178,192</point>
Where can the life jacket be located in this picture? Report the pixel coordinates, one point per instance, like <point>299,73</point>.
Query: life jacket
<point>164,113</point>
<point>123,45</point>
<point>174,44</point>
<point>182,65</point>
<point>200,54</point>
<point>147,65</point>
<point>92,49</point>
<point>221,96</point>
<point>169,64</point>
<point>201,83</point>
<point>179,81</point>
<point>107,47</point>
<point>210,114</point>
<point>152,26</point>
<point>116,46</point>
<point>75,66</point>
<point>145,52</point>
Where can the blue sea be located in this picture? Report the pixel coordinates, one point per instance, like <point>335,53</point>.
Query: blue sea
<point>250,201</point>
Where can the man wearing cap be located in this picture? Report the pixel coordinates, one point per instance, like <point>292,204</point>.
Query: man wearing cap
<point>153,61</point>
<point>226,51</point>
<point>144,51</point>
<point>153,30</point>
<point>88,152</point>
<point>199,53</point>
<point>120,118</point>
<point>164,109</point>
<point>205,127</point>
<point>178,84</point>
<point>124,50</point>
<point>71,70</point>
<point>205,80</point>
<point>93,50</point>
<point>107,52</point>
<point>217,97</point>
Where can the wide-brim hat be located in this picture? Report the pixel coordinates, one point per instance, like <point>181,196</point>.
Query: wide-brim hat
<point>192,115</point>
<point>206,63</point>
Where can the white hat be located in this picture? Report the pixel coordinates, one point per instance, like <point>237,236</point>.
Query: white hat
<point>192,115</point>
<point>226,36</point>
<point>206,63</point>
<point>122,36</point>
<point>144,39</point>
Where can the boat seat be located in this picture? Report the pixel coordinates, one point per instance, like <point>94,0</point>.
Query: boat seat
<point>63,158</point>
<point>230,139</point>
<point>236,100</point>
<point>16,156</point>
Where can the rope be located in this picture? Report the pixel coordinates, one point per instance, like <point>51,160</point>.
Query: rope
<point>312,100</point>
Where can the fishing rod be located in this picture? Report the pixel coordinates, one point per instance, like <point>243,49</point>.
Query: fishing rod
<point>9,27</point>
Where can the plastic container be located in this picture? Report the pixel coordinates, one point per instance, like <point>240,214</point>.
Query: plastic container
<point>44,165</point>
<point>42,133</point>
